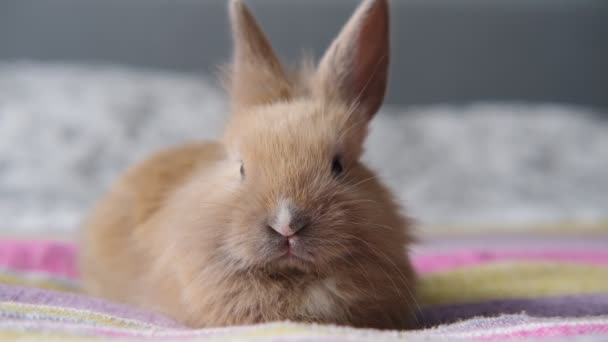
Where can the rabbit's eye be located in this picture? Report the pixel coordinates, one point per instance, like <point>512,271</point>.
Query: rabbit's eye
<point>336,166</point>
<point>242,170</point>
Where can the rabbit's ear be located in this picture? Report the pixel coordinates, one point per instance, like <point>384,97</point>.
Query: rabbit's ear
<point>355,67</point>
<point>256,75</point>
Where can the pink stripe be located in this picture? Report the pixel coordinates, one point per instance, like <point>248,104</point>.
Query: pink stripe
<point>435,262</point>
<point>58,258</point>
<point>563,331</point>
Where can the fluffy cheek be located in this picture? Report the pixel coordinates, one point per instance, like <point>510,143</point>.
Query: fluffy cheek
<point>245,240</point>
<point>336,239</point>
<point>328,248</point>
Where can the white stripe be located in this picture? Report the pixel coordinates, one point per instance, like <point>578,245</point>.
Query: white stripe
<point>283,219</point>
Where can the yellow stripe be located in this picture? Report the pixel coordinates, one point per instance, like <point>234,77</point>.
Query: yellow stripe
<point>43,336</point>
<point>46,284</point>
<point>511,280</point>
<point>81,315</point>
<point>277,331</point>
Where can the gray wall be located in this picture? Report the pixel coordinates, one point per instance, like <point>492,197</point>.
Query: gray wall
<point>444,50</point>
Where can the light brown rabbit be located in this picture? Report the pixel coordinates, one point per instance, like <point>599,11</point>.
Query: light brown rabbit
<point>277,221</point>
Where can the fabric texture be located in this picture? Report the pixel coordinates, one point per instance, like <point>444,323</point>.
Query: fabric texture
<point>485,289</point>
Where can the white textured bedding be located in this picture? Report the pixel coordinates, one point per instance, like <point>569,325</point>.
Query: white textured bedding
<point>66,131</point>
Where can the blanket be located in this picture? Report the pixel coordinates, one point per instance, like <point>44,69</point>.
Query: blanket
<point>482,288</point>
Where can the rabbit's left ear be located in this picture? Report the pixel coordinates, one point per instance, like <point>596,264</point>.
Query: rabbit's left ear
<point>256,75</point>
<point>355,67</point>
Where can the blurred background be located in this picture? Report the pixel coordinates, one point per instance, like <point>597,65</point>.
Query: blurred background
<point>496,114</point>
<point>444,50</point>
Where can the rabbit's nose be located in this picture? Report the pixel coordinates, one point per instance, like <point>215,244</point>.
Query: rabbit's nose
<point>288,221</point>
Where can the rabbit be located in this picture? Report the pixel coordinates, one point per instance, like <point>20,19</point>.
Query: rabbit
<point>278,220</point>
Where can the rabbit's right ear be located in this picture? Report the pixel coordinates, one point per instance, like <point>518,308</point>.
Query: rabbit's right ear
<point>256,75</point>
<point>355,67</point>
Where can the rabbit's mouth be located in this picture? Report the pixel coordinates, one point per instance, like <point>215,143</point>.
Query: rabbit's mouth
<point>292,253</point>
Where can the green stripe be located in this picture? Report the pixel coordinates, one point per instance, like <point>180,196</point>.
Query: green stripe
<point>505,280</point>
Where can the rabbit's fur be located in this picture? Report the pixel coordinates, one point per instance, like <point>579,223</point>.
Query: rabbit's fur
<point>277,221</point>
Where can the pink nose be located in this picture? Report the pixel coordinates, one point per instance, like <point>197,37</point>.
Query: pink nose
<point>283,230</point>
<point>287,230</point>
<point>289,226</point>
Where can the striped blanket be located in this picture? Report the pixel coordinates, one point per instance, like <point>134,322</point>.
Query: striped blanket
<point>482,288</point>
